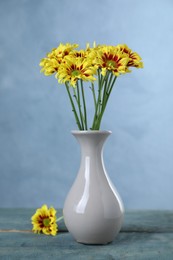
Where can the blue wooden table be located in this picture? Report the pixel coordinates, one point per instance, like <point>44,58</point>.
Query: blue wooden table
<point>144,235</point>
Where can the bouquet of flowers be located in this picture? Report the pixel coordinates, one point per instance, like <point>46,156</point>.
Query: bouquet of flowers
<point>100,63</point>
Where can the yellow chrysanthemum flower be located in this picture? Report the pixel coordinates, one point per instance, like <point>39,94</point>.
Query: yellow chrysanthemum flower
<point>44,221</point>
<point>78,54</point>
<point>50,66</point>
<point>62,50</point>
<point>134,58</point>
<point>74,68</point>
<point>110,58</point>
<point>51,63</point>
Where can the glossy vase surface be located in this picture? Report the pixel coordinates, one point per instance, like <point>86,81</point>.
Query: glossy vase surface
<point>93,210</point>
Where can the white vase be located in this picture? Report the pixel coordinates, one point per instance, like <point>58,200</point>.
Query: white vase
<point>93,210</point>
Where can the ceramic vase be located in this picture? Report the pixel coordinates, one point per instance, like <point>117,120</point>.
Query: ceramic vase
<point>93,210</point>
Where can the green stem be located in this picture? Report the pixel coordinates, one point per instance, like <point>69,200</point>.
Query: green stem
<point>108,79</point>
<point>73,106</point>
<point>105,86</point>
<point>97,101</point>
<point>108,85</point>
<point>97,107</point>
<point>112,84</point>
<point>106,97</point>
<point>84,105</point>
<point>102,85</point>
<point>94,94</point>
<point>100,77</point>
<point>59,218</point>
<point>106,89</point>
<point>79,106</point>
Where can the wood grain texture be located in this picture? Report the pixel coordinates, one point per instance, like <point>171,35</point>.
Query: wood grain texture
<point>145,235</point>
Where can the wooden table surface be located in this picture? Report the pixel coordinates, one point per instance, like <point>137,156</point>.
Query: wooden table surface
<point>144,235</point>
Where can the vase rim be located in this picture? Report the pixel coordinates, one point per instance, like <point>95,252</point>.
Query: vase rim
<point>82,132</point>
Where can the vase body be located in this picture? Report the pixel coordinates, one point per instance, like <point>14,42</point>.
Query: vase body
<point>93,210</point>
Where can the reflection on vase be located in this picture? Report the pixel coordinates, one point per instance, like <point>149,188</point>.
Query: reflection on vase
<point>93,210</point>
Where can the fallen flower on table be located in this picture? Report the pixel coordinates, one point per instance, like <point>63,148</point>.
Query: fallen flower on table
<point>45,221</point>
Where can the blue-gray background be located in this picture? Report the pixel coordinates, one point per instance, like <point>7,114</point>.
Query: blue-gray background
<point>39,158</point>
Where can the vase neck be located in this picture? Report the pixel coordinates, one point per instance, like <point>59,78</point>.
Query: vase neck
<point>91,140</point>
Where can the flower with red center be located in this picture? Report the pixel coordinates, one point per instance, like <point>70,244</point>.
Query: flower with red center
<point>112,59</point>
<point>134,58</point>
<point>44,221</point>
<point>51,63</point>
<point>74,68</point>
